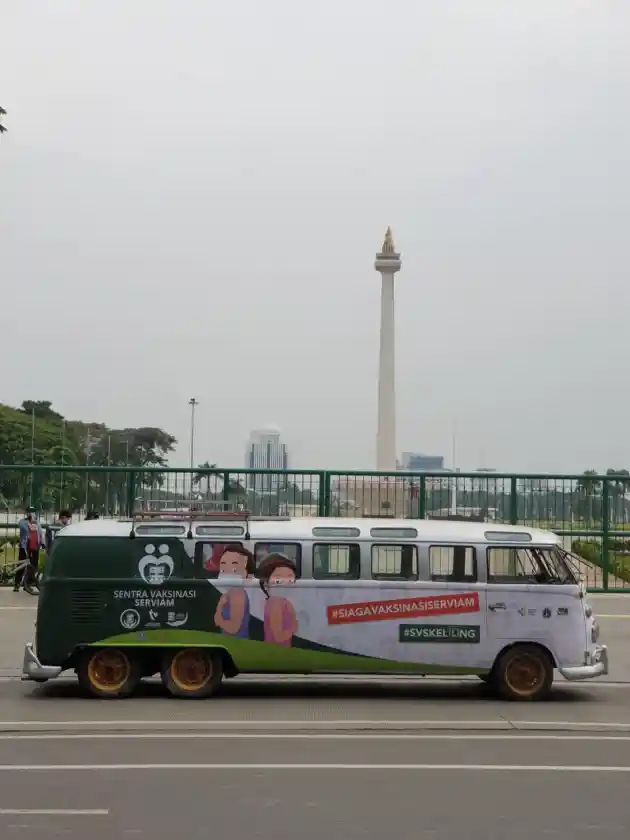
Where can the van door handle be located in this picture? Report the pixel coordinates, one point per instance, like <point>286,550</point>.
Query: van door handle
<point>495,607</point>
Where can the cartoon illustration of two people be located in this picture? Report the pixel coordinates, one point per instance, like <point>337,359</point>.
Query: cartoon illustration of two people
<point>233,610</point>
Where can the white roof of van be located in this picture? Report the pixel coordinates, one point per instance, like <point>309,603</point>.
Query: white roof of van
<point>302,528</point>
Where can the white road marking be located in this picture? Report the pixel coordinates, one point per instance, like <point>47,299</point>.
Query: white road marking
<point>53,812</point>
<point>501,723</point>
<point>497,768</point>
<point>297,736</point>
<point>613,615</point>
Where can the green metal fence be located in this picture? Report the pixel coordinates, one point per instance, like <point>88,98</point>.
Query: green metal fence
<point>591,513</point>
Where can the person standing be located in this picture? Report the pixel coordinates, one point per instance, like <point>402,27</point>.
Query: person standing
<point>64,519</point>
<point>30,543</point>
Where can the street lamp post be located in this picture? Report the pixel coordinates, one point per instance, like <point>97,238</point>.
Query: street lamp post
<point>30,496</point>
<point>193,403</point>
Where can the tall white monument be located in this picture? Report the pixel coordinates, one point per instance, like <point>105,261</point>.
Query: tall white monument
<point>387,263</point>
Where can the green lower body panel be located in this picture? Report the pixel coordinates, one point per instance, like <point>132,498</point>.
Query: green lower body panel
<point>261,657</point>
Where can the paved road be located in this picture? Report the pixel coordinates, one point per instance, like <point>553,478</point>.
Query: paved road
<point>347,758</point>
<point>441,787</point>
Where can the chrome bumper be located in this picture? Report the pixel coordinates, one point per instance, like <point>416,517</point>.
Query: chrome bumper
<point>32,668</point>
<point>598,666</point>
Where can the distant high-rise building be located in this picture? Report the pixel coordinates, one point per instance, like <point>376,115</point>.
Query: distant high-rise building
<point>416,462</point>
<point>265,451</point>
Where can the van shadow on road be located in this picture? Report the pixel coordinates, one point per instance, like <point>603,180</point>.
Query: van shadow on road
<point>235,690</point>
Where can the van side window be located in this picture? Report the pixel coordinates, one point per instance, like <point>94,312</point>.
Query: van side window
<point>339,561</point>
<point>522,565</point>
<point>453,563</point>
<point>230,557</point>
<point>394,562</point>
<point>292,550</point>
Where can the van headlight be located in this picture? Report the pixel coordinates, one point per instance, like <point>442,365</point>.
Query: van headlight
<point>595,631</point>
<point>588,610</point>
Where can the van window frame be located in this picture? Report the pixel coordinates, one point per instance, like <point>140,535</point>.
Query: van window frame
<point>350,545</point>
<point>385,578</point>
<point>529,580</point>
<point>453,545</point>
<point>199,571</point>
<point>299,553</point>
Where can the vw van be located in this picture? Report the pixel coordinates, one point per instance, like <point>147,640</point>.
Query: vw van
<point>199,597</point>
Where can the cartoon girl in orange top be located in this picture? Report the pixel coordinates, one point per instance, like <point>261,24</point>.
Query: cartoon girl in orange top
<point>280,619</point>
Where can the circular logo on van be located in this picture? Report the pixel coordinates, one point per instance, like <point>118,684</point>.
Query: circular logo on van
<point>130,619</point>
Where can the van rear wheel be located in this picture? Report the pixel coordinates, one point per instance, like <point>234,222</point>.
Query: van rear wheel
<point>192,673</point>
<point>524,672</point>
<point>108,672</point>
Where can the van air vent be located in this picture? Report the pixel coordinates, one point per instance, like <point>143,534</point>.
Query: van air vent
<point>86,606</point>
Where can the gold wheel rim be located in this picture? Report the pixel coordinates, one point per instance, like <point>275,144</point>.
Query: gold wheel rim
<point>108,670</point>
<point>191,670</point>
<point>524,674</point>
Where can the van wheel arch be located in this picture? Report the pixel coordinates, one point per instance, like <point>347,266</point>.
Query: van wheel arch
<point>537,664</point>
<point>543,648</point>
<point>108,672</point>
<point>193,672</point>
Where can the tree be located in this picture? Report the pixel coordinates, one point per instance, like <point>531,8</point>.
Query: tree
<point>52,440</point>
<point>204,471</point>
<point>205,475</point>
<point>3,113</point>
<point>619,484</point>
<point>41,409</point>
<point>587,488</point>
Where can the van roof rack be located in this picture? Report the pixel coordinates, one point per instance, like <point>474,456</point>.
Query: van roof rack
<point>191,516</point>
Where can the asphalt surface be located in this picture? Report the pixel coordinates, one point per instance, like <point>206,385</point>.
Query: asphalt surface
<point>444,787</point>
<point>340,758</point>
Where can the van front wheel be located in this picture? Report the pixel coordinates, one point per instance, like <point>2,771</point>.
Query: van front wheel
<point>192,673</point>
<point>108,672</point>
<point>524,672</point>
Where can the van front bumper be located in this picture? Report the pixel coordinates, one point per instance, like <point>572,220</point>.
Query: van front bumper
<point>32,668</point>
<point>596,666</point>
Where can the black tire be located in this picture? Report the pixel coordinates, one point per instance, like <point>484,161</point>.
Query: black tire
<point>192,673</point>
<point>488,678</point>
<point>524,672</point>
<point>109,673</point>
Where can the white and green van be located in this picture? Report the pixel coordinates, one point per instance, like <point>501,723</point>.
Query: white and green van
<point>196,597</point>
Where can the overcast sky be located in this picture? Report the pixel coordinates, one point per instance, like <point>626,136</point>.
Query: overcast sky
<point>192,194</point>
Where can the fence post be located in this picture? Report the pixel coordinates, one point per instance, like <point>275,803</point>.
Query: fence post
<point>226,489</point>
<point>323,501</point>
<point>605,531</point>
<point>131,491</point>
<point>422,498</point>
<point>513,501</point>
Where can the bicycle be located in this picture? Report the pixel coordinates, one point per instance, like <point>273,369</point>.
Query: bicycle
<point>29,578</point>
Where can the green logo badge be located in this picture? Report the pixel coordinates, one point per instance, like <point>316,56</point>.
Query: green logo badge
<point>450,633</point>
